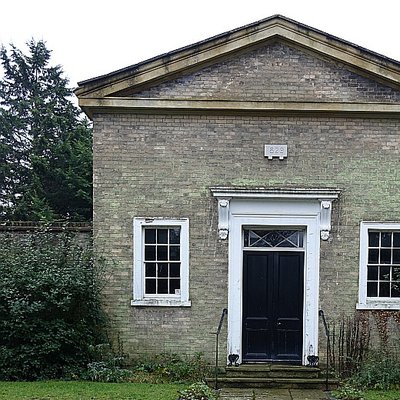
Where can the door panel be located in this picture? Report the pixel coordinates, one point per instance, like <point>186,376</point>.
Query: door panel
<point>257,324</point>
<point>273,306</point>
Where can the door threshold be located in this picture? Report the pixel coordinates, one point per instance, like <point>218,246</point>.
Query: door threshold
<point>271,362</point>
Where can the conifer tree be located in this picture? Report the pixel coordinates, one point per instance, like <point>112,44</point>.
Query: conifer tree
<point>45,144</point>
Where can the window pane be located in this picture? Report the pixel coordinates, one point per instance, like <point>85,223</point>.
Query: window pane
<point>174,253</point>
<point>149,235</point>
<point>162,270</point>
<point>150,253</point>
<point>396,239</point>
<point>174,235</point>
<point>396,256</point>
<point>150,286</point>
<point>373,239</point>
<point>255,238</point>
<point>163,286</point>
<point>174,286</point>
<point>396,274</point>
<point>174,270</point>
<point>284,243</point>
<point>162,253</point>
<point>386,239</point>
<point>384,273</point>
<point>300,238</point>
<point>150,270</point>
<point>373,256</point>
<point>162,236</point>
<point>386,256</point>
<point>372,273</point>
<point>396,289</point>
<point>384,289</point>
<point>246,238</point>
<point>372,289</point>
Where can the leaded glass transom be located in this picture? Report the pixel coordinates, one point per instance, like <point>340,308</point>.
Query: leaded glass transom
<point>383,268</point>
<point>273,238</point>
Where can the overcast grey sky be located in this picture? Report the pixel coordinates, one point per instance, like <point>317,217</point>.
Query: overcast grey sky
<point>93,37</point>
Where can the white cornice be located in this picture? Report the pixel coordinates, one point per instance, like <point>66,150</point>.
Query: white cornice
<point>282,193</point>
<point>125,104</point>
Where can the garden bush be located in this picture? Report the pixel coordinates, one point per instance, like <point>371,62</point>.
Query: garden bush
<point>348,392</point>
<point>197,391</point>
<point>171,367</point>
<point>380,370</point>
<point>50,310</point>
<point>108,365</point>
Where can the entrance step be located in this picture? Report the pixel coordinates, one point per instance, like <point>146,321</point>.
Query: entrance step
<point>272,376</point>
<point>272,394</point>
<point>272,371</point>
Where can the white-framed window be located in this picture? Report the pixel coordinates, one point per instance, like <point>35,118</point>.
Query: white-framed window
<point>160,262</point>
<point>379,279</point>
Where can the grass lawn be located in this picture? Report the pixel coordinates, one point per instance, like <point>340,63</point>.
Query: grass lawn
<point>61,390</point>
<point>381,395</point>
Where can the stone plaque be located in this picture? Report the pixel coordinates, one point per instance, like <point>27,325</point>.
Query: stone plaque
<point>275,151</point>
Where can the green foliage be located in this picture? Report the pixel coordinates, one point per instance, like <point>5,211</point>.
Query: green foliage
<point>172,367</point>
<point>381,395</point>
<point>348,392</point>
<point>107,371</point>
<point>197,391</point>
<point>379,371</point>
<point>46,147</point>
<point>107,366</point>
<point>50,312</point>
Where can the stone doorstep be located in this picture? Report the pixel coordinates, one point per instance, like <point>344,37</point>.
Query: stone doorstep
<point>273,394</point>
<point>272,371</point>
<point>272,376</point>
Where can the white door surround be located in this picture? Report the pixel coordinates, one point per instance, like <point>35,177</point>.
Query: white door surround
<point>308,209</point>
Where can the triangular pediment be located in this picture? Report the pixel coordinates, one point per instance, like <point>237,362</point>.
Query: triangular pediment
<point>139,78</point>
<point>277,71</point>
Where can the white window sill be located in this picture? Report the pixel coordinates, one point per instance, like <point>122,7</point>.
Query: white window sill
<point>160,303</point>
<point>379,305</point>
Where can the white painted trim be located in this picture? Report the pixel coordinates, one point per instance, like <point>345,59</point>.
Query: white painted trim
<point>141,105</point>
<point>365,303</point>
<point>139,298</point>
<point>268,193</point>
<point>274,213</point>
<point>324,196</point>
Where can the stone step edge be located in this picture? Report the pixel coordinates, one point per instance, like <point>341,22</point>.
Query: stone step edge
<point>255,367</point>
<point>272,380</point>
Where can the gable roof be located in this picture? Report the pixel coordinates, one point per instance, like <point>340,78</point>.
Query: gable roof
<point>196,56</point>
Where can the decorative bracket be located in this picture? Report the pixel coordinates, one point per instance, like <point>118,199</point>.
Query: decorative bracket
<point>223,218</point>
<point>325,219</point>
<point>323,210</point>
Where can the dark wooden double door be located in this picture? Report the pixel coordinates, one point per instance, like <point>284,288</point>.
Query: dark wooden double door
<point>273,306</point>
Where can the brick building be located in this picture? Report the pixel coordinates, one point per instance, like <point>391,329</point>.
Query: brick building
<point>256,171</point>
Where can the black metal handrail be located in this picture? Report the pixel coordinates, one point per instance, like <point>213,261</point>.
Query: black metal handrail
<point>328,345</point>
<point>221,321</point>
